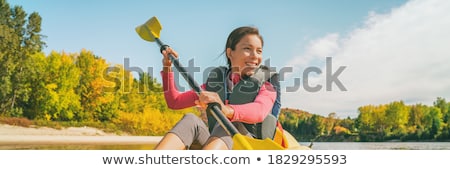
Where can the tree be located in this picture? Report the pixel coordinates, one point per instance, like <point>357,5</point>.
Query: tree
<point>60,102</point>
<point>317,125</point>
<point>20,39</point>
<point>34,108</point>
<point>348,123</point>
<point>329,123</point>
<point>98,104</point>
<point>397,116</point>
<point>436,122</point>
<point>416,123</point>
<point>441,104</point>
<point>372,122</point>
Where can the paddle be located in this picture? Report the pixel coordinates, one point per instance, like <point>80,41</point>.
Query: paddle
<point>150,31</point>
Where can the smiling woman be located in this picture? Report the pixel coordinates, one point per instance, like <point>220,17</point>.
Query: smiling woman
<point>244,55</point>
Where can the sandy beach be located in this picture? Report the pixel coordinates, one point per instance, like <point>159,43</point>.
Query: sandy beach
<point>16,137</point>
<point>11,135</point>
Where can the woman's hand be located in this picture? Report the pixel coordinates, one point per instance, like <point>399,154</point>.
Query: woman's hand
<point>206,97</point>
<point>167,63</point>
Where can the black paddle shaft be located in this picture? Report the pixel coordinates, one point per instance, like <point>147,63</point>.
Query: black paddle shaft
<point>215,107</point>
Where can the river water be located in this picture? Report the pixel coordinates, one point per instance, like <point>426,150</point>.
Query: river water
<point>315,146</point>
<point>379,145</point>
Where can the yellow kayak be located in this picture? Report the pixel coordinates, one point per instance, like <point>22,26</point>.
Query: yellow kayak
<point>293,143</point>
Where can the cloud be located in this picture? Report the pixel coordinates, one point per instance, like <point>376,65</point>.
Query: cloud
<point>401,55</point>
<point>316,49</point>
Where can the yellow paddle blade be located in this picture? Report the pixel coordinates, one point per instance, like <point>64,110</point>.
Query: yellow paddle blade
<point>241,142</point>
<point>149,30</point>
<point>293,143</point>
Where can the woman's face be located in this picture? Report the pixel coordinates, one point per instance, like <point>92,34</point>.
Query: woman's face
<point>246,56</point>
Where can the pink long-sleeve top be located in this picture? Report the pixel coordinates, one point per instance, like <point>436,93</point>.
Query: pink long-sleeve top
<point>251,113</point>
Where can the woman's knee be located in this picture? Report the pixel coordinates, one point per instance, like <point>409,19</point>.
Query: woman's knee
<point>216,143</point>
<point>190,117</point>
<point>191,129</point>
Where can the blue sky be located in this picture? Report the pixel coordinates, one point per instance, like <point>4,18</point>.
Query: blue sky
<point>392,49</point>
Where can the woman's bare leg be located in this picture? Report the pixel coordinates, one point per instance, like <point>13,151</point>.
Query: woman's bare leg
<point>215,143</point>
<point>170,142</point>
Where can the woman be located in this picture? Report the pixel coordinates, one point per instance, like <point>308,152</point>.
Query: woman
<point>243,50</point>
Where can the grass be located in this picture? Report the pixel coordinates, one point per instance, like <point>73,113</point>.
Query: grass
<point>16,121</point>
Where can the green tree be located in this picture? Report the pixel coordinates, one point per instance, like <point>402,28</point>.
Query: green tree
<point>20,39</point>
<point>416,123</point>
<point>445,110</point>
<point>37,74</point>
<point>348,123</point>
<point>317,125</point>
<point>436,122</point>
<point>443,106</point>
<point>397,116</point>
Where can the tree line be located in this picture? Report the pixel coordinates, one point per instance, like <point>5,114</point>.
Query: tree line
<point>384,122</point>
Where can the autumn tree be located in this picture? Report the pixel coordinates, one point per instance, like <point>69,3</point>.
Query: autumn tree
<point>98,103</point>
<point>61,77</point>
<point>397,116</point>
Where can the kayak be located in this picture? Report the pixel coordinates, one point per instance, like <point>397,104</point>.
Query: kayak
<point>293,144</point>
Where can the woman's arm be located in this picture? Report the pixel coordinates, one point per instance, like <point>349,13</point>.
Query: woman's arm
<point>175,99</point>
<point>257,110</point>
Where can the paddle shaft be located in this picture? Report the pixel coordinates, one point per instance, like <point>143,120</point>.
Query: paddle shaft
<point>216,111</point>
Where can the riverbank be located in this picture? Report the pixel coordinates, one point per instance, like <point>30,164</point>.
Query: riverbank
<point>11,135</point>
<point>17,137</point>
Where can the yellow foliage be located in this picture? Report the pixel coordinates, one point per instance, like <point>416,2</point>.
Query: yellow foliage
<point>151,121</point>
<point>51,86</point>
<point>341,130</point>
<point>48,117</point>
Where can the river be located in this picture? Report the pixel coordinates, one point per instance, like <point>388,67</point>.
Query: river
<point>379,145</point>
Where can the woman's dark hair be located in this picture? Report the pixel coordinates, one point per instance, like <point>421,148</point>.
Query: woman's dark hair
<point>236,35</point>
